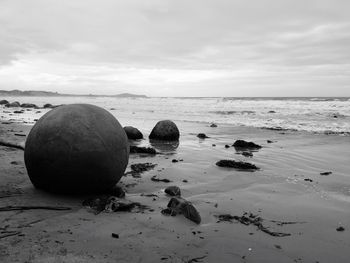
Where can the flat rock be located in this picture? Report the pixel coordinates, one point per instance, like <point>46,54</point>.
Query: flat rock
<point>246,145</point>
<point>237,165</point>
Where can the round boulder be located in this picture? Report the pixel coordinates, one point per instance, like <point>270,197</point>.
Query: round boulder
<point>166,131</point>
<point>4,102</point>
<point>13,104</point>
<point>77,148</point>
<point>133,133</point>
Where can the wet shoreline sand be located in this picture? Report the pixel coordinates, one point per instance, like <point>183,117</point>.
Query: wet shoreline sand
<point>278,193</point>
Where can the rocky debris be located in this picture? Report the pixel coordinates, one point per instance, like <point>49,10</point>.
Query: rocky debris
<point>237,165</point>
<point>146,150</point>
<point>247,154</point>
<point>185,181</point>
<point>133,133</point>
<point>114,235</point>
<point>308,180</point>
<point>174,161</point>
<point>271,111</point>
<point>269,141</point>
<point>29,105</point>
<point>18,111</point>
<point>326,173</point>
<point>227,146</point>
<point>48,105</point>
<point>108,203</point>
<point>173,190</point>
<point>246,145</point>
<point>340,229</point>
<point>155,179</point>
<point>213,125</point>
<point>165,130</point>
<point>13,104</point>
<point>179,205</point>
<point>138,168</point>
<point>202,136</point>
<point>213,145</point>
<point>250,219</point>
<point>4,102</point>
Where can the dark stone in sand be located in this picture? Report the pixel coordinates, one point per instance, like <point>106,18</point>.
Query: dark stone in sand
<point>166,131</point>
<point>147,150</point>
<point>133,133</point>
<point>245,145</point>
<point>18,111</point>
<point>227,146</point>
<point>173,191</point>
<point>4,102</point>
<point>271,111</point>
<point>13,104</point>
<point>269,141</point>
<point>76,148</point>
<point>178,205</point>
<point>236,165</point>
<point>142,167</point>
<point>326,173</point>
<point>114,235</point>
<point>155,179</point>
<point>308,180</point>
<point>213,125</point>
<point>340,229</point>
<point>28,105</point>
<point>202,136</point>
<point>174,161</point>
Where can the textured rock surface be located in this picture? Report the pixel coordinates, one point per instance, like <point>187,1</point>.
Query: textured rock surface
<point>133,133</point>
<point>165,130</point>
<point>76,148</point>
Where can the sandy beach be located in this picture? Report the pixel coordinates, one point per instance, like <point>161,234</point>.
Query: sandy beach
<point>288,193</point>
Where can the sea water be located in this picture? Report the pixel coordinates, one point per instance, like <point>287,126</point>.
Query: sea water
<point>319,115</point>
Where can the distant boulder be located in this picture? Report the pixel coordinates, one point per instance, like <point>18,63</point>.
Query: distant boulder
<point>4,102</point>
<point>133,133</point>
<point>48,105</point>
<point>28,105</point>
<point>246,145</point>
<point>213,125</point>
<point>165,130</point>
<point>13,104</point>
<point>202,136</point>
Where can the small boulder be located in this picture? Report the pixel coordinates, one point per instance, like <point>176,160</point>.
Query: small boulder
<point>237,165</point>
<point>165,130</point>
<point>213,125</point>
<point>13,104</point>
<point>173,191</point>
<point>133,133</point>
<point>178,205</point>
<point>48,105</point>
<point>202,136</point>
<point>28,105</point>
<point>246,145</point>
<point>4,102</point>
<point>146,150</point>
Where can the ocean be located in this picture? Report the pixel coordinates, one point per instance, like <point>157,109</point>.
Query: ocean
<point>316,115</point>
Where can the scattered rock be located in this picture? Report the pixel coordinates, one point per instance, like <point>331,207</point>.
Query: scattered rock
<point>202,136</point>
<point>308,180</point>
<point>178,205</point>
<point>246,145</point>
<point>4,102</point>
<point>147,150</point>
<point>269,141</point>
<point>18,111</point>
<point>174,161</point>
<point>14,163</point>
<point>13,104</point>
<point>117,191</point>
<point>29,105</point>
<point>165,130</point>
<point>227,146</point>
<point>133,133</point>
<point>184,181</point>
<point>340,229</point>
<point>213,145</point>
<point>173,191</point>
<point>326,173</point>
<point>271,111</point>
<point>237,165</point>
<point>138,168</point>
<point>20,134</point>
<point>155,179</point>
<point>114,235</point>
<point>213,125</point>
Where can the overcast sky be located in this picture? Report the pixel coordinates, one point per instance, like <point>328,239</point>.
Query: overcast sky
<point>177,47</point>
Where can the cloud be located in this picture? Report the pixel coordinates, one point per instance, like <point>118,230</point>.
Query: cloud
<point>109,46</point>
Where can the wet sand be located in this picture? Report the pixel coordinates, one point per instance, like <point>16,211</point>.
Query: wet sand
<point>311,209</point>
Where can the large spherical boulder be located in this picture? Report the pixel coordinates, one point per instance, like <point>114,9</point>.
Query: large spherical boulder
<point>133,133</point>
<point>166,131</point>
<point>78,148</point>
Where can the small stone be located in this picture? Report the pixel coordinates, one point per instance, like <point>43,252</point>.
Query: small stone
<point>213,125</point>
<point>202,136</point>
<point>246,145</point>
<point>340,229</point>
<point>114,235</point>
<point>173,191</point>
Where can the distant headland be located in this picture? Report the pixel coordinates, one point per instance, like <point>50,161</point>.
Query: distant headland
<point>38,93</point>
